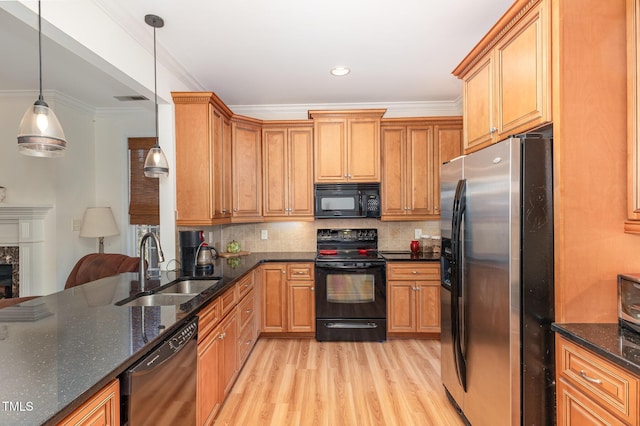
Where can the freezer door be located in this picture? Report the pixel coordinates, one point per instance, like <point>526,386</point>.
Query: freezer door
<point>450,174</point>
<point>490,330</point>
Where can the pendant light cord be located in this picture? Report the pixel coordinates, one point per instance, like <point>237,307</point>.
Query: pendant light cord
<point>40,98</point>
<point>155,83</point>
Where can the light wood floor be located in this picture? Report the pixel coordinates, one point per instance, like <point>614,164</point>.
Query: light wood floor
<point>305,382</point>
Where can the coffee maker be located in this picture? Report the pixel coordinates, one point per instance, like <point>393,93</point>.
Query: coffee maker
<point>189,243</point>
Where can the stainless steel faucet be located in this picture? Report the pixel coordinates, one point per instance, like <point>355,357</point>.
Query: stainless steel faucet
<point>143,255</point>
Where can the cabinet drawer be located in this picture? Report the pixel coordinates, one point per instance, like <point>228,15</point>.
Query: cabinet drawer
<point>245,310</point>
<point>413,271</point>
<point>228,301</point>
<point>245,285</point>
<point>610,386</point>
<point>208,318</point>
<point>300,271</point>
<point>245,343</point>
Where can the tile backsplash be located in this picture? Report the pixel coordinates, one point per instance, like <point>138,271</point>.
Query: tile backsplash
<point>301,236</point>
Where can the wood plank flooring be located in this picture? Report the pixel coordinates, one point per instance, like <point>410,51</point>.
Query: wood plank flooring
<point>305,382</point>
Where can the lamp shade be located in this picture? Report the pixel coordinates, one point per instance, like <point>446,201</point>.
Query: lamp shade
<point>98,222</point>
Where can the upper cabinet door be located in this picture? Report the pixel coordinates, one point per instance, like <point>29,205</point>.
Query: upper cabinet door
<point>274,153</point>
<point>247,171</point>
<point>522,77</point>
<point>300,157</point>
<point>363,144</point>
<point>478,104</point>
<point>330,150</point>
<point>420,170</point>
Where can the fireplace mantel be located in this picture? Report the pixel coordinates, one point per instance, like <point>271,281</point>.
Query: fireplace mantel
<point>23,211</point>
<point>22,225</point>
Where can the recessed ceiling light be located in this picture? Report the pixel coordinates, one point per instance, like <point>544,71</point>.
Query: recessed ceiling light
<point>340,71</point>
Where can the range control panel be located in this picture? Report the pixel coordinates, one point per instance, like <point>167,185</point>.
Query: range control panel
<point>369,235</point>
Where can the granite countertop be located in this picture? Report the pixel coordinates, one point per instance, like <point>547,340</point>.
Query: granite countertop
<point>617,345</point>
<point>407,256</point>
<point>60,349</point>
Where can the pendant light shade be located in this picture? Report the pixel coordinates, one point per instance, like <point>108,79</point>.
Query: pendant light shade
<point>155,165</point>
<point>40,133</point>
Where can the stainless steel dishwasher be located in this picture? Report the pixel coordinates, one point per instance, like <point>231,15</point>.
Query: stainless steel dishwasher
<point>160,389</point>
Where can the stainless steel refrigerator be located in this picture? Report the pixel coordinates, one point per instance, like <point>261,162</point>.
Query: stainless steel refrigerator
<point>497,283</point>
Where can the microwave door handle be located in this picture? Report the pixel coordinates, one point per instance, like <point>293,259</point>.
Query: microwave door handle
<point>361,203</point>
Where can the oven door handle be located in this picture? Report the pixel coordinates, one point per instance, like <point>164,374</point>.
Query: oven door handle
<point>378,265</point>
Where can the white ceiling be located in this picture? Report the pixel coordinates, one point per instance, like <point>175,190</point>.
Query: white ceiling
<point>259,52</point>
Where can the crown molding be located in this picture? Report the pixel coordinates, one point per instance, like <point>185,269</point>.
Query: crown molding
<point>394,109</point>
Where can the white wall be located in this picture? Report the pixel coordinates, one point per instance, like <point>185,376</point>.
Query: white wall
<point>93,172</point>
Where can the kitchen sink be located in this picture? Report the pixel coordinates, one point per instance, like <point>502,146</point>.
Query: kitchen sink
<point>189,286</point>
<point>160,299</point>
<point>175,293</point>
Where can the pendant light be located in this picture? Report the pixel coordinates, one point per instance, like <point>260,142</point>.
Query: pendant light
<point>155,165</point>
<point>40,133</point>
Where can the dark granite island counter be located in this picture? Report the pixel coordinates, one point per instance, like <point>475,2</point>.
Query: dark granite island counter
<point>60,349</point>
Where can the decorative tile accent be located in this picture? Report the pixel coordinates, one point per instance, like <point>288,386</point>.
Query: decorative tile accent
<point>11,256</point>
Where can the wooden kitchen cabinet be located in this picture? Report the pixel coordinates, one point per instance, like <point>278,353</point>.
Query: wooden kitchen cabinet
<point>288,298</point>
<point>202,164</point>
<point>209,392</point>
<point>411,165</point>
<point>347,145</point>
<point>287,158</point>
<point>102,409</point>
<point>633,117</point>
<point>274,297</point>
<point>246,153</point>
<point>591,390</point>
<point>413,298</point>
<point>225,326</point>
<point>507,89</point>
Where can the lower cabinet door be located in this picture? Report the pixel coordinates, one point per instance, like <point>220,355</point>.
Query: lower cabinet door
<point>102,409</point>
<point>229,352</point>
<point>302,306</point>
<point>209,391</point>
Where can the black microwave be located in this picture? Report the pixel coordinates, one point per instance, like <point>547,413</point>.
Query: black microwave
<point>347,200</point>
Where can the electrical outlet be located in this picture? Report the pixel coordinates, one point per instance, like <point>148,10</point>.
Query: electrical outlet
<point>417,233</point>
<point>210,237</point>
<point>76,224</point>
<point>264,234</point>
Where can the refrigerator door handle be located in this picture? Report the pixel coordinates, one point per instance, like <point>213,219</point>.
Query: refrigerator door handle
<point>457,292</point>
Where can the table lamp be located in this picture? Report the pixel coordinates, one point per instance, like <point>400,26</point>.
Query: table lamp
<point>98,222</point>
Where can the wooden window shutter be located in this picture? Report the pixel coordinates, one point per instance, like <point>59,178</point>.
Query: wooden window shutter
<point>144,192</point>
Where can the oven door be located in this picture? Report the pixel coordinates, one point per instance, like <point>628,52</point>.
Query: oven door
<point>351,301</point>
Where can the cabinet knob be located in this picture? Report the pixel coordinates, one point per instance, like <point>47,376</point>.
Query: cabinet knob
<point>248,311</point>
<point>224,210</point>
<point>235,209</point>
<point>414,272</point>
<point>493,130</point>
<point>221,337</point>
<point>312,288</point>
<point>283,272</point>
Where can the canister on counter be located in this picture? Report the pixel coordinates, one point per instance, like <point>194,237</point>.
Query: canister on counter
<point>426,244</point>
<point>436,243</point>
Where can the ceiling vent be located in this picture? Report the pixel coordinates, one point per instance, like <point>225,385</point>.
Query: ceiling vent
<point>131,98</point>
